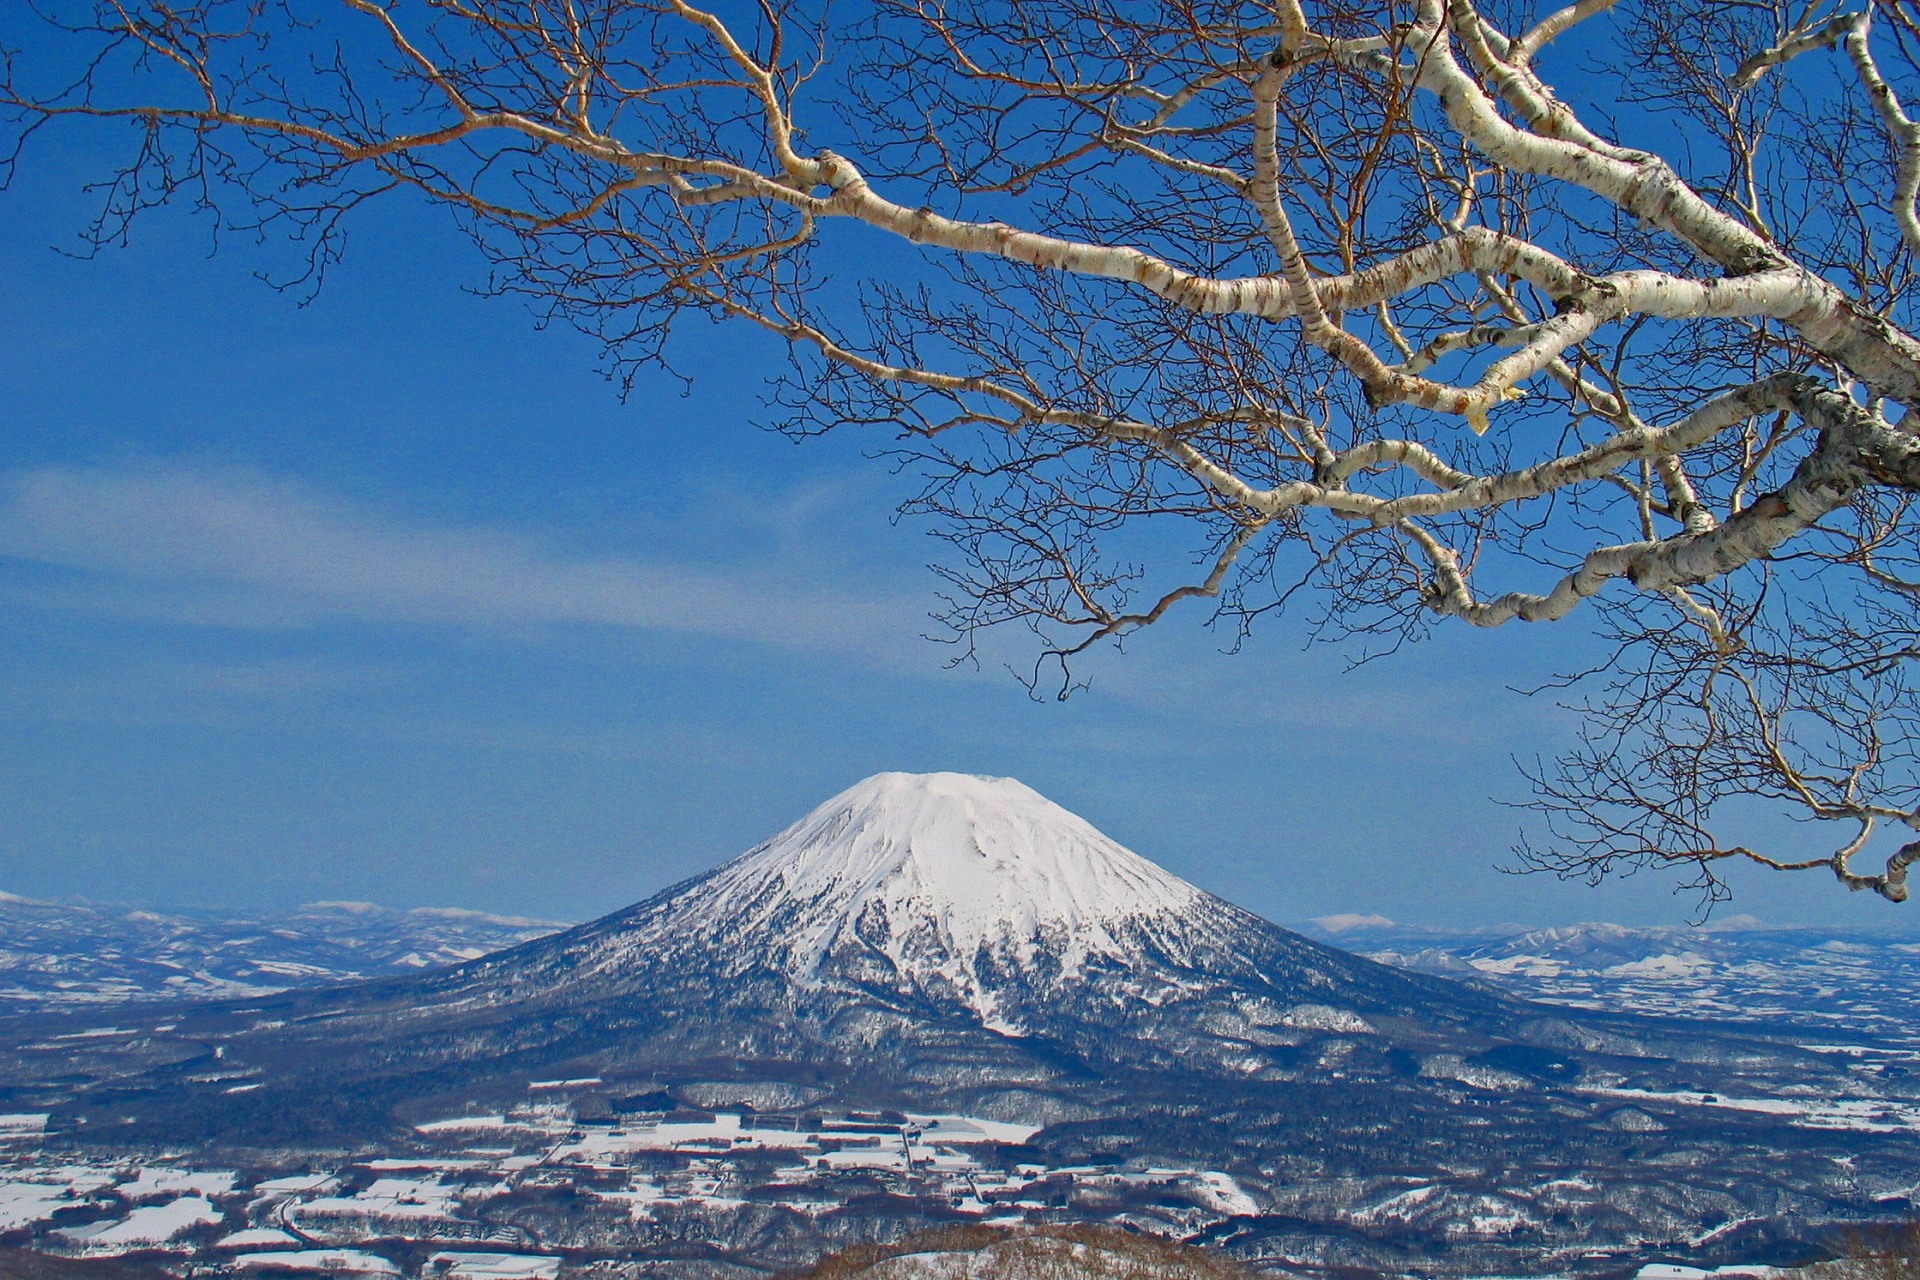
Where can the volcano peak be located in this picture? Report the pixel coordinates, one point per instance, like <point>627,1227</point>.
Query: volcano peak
<point>984,861</point>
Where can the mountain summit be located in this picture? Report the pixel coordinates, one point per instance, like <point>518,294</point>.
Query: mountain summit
<point>967,898</point>
<point>968,903</point>
<point>970,863</point>
<point>958,884</point>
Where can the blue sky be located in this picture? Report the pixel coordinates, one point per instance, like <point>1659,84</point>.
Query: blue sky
<point>390,597</point>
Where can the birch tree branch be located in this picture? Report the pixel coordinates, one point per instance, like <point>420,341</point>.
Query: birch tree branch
<point>1351,304</point>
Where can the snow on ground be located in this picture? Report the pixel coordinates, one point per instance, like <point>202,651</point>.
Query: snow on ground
<point>1714,1233</point>
<point>24,1203</point>
<point>292,969</point>
<point>1685,965</point>
<point>154,1183</point>
<point>640,1197</point>
<point>1217,1191</point>
<point>959,1131</point>
<point>399,1164</point>
<point>324,1261</point>
<point>258,1238</point>
<point>147,1227</point>
<point>1028,1258</point>
<point>1865,1115</point>
<point>734,1133</point>
<point>1847,1050</point>
<point>493,1266</point>
<point>30,1125</point>
<point>461,1123</point>
<point>464,1124</point>
<point>725,1132</point>
<point>296,1184</point>
<point>643,1196</point>
<point>1321,1017</point>
<point>1397,1207</point>
<point>1519,966</point>
<point>81,1179</point>
<point>923,1266</point>
<point>1568,1184</point>
<point>941,1160</point>
<point>391,1198</point>
<point>1482,1216</point>
<point>1223,1195</point>
<point>890,1157</point>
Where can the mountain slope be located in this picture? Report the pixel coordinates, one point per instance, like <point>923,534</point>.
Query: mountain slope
<point>970,900</point>
<point>944,945</point>
<point>944,935</point>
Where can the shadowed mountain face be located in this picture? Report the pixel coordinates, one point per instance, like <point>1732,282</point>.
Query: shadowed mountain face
<point>946,942</point>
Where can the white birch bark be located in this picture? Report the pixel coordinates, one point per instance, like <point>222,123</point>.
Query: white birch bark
<point>1274,282</point>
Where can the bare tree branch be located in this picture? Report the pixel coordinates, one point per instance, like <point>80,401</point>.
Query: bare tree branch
<point>1209,300</point>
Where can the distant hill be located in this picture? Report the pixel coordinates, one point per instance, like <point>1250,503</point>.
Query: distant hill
<point>60,955</point>
<point>1060,1253</point>
<point>1736,971</point>
<point>1859,980</point>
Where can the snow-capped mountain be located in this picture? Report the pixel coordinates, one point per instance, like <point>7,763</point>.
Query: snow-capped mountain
<point>948,945</point>
<point>914,909</point>
<point>954,879</point>
<point>976,896</point>
<point>963,934</point>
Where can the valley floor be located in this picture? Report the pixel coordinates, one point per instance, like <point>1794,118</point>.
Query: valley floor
<point>539,1193</point>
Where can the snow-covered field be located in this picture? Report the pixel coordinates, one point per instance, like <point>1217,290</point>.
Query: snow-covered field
<point>147,1226</point>
<point>326,1262</point>
<point>641,1167</point>
<point>1865,1115</point>
<point>493,1266</point>
<point>650,1168</point>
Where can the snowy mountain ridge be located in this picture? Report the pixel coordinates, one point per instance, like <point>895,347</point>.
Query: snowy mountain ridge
<point>62,955</point>
<point>985,863</point>
<point>948,884</point>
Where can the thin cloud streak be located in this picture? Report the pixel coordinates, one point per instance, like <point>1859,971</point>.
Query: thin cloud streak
<point>237,548</point>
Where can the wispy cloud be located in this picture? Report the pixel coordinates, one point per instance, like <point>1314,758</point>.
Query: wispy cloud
<point>237,548</point>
